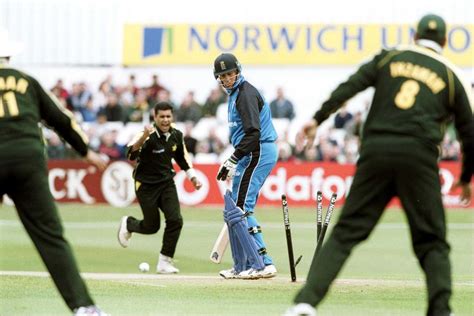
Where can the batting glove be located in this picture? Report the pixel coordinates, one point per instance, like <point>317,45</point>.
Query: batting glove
<point>227,169</point>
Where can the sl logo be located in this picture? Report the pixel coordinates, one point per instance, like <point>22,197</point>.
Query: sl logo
<point>174,147</point>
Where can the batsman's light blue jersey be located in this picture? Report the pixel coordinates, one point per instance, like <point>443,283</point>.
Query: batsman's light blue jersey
<point>249,117</point>
<point>253,136</point>
<point>236,126</point>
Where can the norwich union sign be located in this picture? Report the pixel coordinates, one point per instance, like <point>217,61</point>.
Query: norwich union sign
<point>277,44</point>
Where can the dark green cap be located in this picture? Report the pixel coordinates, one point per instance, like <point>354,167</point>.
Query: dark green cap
<point>432,27</point>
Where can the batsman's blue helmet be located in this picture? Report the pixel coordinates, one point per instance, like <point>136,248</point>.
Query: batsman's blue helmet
<point>225,63</point>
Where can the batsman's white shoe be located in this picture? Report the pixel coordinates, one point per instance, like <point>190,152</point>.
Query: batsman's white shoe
<point>229,274</point>
<point>301,309</point>
<point>269,271</point>
<point>250,274</point>
<point>89,311</point>
<point>165,265</point>
<point>123,234</point>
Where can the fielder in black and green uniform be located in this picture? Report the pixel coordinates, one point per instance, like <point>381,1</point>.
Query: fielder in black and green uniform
<point>417,92</point>
<point>154,149</point>
<point>23,174</point>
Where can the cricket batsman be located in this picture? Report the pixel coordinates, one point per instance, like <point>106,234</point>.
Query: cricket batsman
<point>253,136</point>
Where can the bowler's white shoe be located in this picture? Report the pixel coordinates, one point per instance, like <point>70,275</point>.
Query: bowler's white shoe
<point>165,265</point>
<point>301,309</point>
<point>123,234</point>
<point>229,274</point>
<point>89,311</point>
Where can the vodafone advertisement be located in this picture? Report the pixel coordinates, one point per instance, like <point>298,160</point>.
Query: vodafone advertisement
<point>76,181</point>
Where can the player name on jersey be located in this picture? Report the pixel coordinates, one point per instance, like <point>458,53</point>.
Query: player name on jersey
<point>10,83</point>
<point>417,72</point>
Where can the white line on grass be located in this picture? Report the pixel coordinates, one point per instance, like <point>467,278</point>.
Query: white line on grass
<point>142,283</point>
<point>129,277</point>
<point>116,276</point>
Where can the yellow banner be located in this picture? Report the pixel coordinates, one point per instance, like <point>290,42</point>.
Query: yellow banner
<point>278,44</point>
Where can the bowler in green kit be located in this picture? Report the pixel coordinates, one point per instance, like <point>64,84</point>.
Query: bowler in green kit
<point>154,149</point>
<point>417,92</point>
<point>23,173</point>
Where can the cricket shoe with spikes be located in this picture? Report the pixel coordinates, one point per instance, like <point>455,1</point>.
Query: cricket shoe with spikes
<point>229,274</point>
<point>301,309</point>
<point>250,274</point>
<point>165,265</point>
<point>269,271</point>
<point>123,235</point>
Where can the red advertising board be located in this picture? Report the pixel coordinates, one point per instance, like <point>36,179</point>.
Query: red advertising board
<point>76,181</point>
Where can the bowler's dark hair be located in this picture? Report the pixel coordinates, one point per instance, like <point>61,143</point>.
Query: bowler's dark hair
<point>163,106</point>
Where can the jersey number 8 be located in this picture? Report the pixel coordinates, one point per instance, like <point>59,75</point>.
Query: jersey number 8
<point>405,98</point>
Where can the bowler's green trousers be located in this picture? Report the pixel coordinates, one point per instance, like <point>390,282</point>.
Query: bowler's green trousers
<point>390,167</point>
<point>152,198</point>
<point>26,183</point>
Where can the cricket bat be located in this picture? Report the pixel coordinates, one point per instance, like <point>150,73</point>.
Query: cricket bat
<point>220,245</point>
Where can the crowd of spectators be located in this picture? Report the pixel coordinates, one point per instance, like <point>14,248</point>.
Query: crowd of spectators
<point>112,114</point>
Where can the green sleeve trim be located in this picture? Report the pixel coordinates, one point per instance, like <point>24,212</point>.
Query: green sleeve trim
<point>387,58</point>
<point>451,88</point>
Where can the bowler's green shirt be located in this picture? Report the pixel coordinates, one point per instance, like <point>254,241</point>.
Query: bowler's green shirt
<point>417,92</point>
<point>23,104</point>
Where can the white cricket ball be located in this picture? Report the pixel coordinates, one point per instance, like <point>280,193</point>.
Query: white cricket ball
<point>144,267</point>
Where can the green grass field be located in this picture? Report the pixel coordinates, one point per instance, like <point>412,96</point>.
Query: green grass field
<point>381,278</point>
